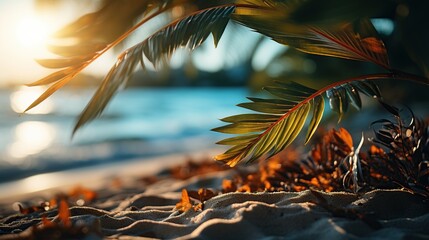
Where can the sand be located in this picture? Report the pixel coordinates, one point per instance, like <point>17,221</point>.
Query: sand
<point>140,211</point>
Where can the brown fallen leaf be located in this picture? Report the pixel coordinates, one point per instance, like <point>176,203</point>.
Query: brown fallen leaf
<point>202,195</point>
<point>185,202</point>
<point>82,192</point>
<point>64,213</point>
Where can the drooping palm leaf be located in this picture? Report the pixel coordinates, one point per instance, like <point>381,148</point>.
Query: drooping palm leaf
<point>357,41</point>
<point>280,120</point>
<point>77,57</point>
<point>189,32</point>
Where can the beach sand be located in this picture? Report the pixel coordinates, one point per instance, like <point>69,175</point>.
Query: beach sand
<point>141,208</point>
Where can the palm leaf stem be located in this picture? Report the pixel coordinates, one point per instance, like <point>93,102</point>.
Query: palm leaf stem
<point>398,74</point>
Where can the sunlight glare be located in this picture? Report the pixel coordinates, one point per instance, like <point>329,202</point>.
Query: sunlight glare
<point>32,32</point>
<point>26,31</point>
<point>31,137</point>
<point>24,96</point>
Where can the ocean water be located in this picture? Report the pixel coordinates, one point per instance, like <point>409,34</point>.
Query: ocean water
<point>138,123</point>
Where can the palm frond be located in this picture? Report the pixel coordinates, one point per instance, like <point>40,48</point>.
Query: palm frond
<point>357,41</point>
<point>280,120</point>
<point>189,32</point>
<point>399,157</point>
<point>88,48</point>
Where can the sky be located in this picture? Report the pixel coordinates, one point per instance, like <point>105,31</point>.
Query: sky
<point>25,33</point>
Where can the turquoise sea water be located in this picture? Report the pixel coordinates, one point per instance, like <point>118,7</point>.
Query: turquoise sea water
<point>137,123</point>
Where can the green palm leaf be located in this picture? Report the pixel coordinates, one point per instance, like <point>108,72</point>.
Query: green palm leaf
<point>280,120</point>
<point>189,32</point>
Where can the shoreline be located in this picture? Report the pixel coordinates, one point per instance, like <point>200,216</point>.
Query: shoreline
<point>95,176</point>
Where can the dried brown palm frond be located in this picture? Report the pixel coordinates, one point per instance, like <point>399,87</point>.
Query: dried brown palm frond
<point>329,167</point>
<point>400,157</point>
